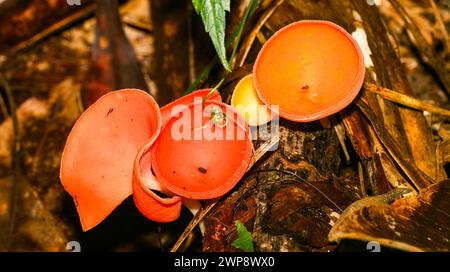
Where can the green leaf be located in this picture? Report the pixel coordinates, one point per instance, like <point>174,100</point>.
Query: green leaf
<point>212,13</point>
<point>244,240</point>
<point>197,4</point>
<point>236,34</point>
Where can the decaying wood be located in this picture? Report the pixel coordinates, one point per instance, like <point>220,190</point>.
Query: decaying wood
<point>247,44</point>
<point>114,63</point>
<point>415,223</point>
<point>285,213</point>
<point>267,204</point>
<point>394,143</point>
<point>417,177</point>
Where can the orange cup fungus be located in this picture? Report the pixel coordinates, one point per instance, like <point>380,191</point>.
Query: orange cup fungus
<point>108,156</point>
<point>97,161</point>
<point>150,204</point>
<point>202,155</point>
<point>201,149</point>
<point>311,69</point>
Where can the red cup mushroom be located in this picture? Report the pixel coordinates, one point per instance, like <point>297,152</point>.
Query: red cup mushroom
<point>150,204</point>
<point>311,69</point>
<point>97,161</point>
<point>107,157</point>
<point>203,152</point>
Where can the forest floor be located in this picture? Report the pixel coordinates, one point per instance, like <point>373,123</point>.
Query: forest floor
<point>46,80</point>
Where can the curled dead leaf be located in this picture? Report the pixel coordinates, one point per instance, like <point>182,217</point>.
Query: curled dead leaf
<point>413,223</point>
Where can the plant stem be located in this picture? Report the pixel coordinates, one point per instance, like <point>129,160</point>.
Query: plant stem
<point>212,91</point>
<point>235,36</point>
<point>248,12</point>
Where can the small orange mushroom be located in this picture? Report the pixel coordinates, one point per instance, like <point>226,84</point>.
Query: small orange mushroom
<point>311,69</point>
<point>208,157</point>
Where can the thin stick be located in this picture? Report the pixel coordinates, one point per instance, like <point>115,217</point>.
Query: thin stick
<point>141,26</point>
<point>340,132</point>
<point>441,24</point>
<point>251,38</point>
<point>406,100</point>
<point>298,178</point>
<point>82,14</point>
<point>263,149</point>
<point>250,9</point>
<point>16,153</point>
<point>78,16</point>
<point>235,34</point>
<point>362,185</point>
<point>259,153</point>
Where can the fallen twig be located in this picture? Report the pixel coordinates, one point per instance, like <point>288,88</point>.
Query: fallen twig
<point>253,34</point>
<point>406,100</point>
<point>55,28</point>
<point>141,26</point>
<point>362,184</point>
<point>16,154</point>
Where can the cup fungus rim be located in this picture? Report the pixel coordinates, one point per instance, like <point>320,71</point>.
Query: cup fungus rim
<point>344,99</point>
<point>139,180</point>
<point>214,95</point>
<point>176,101</point>
<point>98,101</point>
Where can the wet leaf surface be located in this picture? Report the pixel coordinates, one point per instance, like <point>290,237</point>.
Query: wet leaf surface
<point>414,223</point>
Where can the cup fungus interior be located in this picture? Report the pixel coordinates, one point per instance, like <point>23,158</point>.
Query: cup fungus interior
<point>97,161</point>
<point>198,157</point>
<point>311,69</point>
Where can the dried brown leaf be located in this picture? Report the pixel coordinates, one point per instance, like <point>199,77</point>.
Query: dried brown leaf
<point>414,223</point>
